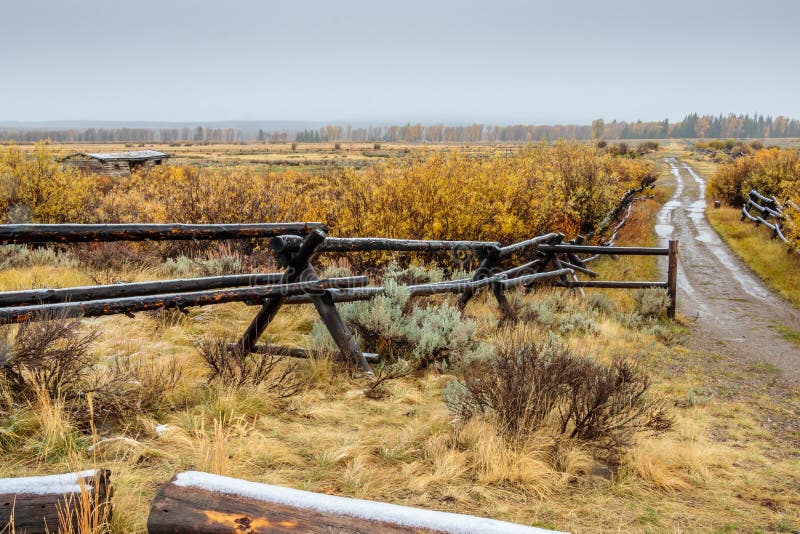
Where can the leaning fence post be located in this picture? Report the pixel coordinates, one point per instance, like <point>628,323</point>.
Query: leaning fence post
<point>672,278</point>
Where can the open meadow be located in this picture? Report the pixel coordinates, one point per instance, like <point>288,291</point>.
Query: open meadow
<point>587,411</point>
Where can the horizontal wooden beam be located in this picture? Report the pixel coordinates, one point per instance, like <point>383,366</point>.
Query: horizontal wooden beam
<point>589,249</point>
<point>529,278</point>
<point>174,300</point>
<point>85,233</point>
<point>367,244</point>
<point>292,352</point>
<point>158,287</point>
<point>611,284</point>
<point>533,242</point>
<point>201,502</point>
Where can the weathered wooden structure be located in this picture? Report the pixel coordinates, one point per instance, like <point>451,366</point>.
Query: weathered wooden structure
<point>42,504</point>
<point>769,212</point>
<point>195,502</point>
<point>114,163</point>
<point>295,245</point>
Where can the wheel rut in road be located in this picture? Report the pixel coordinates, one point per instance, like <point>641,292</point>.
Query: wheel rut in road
<point>733,311</point>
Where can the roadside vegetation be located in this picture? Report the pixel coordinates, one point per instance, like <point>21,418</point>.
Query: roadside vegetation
<point>772,172</point>
<point>586,415</point>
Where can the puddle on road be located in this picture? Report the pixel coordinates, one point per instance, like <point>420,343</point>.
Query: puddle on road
<point>703,231</point>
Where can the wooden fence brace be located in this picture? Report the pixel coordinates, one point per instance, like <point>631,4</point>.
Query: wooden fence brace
<point>672,278</point>
<point>294,267</point>
<point>129,305</point>
<point>36,502</point>
<point>297,265</point>
<point>485,268</point>
<point>86,233</point>
<point>158,287</point>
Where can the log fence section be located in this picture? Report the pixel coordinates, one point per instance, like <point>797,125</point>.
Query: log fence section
<point>769,212</point>
<point>299,283</point>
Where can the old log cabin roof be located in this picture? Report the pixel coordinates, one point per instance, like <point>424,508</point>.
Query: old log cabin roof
<point>136,155</point>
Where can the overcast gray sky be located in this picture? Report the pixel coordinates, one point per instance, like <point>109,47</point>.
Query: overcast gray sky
<point>503,61</point>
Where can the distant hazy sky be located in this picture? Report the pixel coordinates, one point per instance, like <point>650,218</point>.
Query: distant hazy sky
<point>491,60</point>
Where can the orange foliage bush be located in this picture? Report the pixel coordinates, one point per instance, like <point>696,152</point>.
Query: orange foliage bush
<point>565,187</point>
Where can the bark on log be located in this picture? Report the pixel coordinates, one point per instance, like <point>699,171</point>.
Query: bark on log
<point>95,308</point>
<point>35,503</point>
<point>586,249</point>
<point>611,284</point>
<point>159,287</point>
<point>292,352</point>
<point>196,502</point>
<point>366,244</point>
<point>85,233</point>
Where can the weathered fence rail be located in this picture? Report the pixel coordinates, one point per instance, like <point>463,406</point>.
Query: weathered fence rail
<point>295,245</point>
<point>768,211</point>
<point>87,233</point>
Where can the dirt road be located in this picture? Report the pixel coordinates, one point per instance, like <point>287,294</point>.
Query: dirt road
<point>734,313</point>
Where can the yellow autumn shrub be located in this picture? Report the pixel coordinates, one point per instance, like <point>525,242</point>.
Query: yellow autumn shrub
<point>35,188</point>
<point>565,187</point>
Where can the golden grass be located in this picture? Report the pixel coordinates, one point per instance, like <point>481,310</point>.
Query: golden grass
<point>730,465</point>
<point>767,257</point>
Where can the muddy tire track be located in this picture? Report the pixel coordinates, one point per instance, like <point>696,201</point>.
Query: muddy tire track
<point>732,310</point>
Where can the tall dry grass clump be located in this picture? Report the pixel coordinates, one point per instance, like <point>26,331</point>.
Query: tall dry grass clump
<point>533,382</point>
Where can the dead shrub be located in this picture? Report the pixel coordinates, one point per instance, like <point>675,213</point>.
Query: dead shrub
<point>384,374</point>
<point>231,367</point>
<point>529,385</point>
<point>49,354</point>
<point>131,387</point>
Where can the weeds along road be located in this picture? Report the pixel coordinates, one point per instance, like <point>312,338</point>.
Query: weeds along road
<point>731,310</point>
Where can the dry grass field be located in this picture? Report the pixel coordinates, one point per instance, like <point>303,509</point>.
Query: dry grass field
<point>730,463</point>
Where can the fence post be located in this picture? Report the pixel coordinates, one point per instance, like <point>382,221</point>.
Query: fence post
<point>672,278</point>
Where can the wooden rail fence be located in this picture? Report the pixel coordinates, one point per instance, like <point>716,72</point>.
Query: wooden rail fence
<point>769,211</point>
<point>295,245</point>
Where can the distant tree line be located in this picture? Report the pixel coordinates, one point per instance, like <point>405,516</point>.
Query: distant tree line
<point>692,126</point>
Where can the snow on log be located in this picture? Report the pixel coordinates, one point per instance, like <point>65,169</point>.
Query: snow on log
<point>202,502</point>
<point>34,504</point>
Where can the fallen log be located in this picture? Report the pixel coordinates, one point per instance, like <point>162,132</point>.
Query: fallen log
<point>86,233</point>
<point>181,301</point>
<point>159,287</point>
<point>292,352</point>
<point>50,503</point>
<point>204,503</point>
